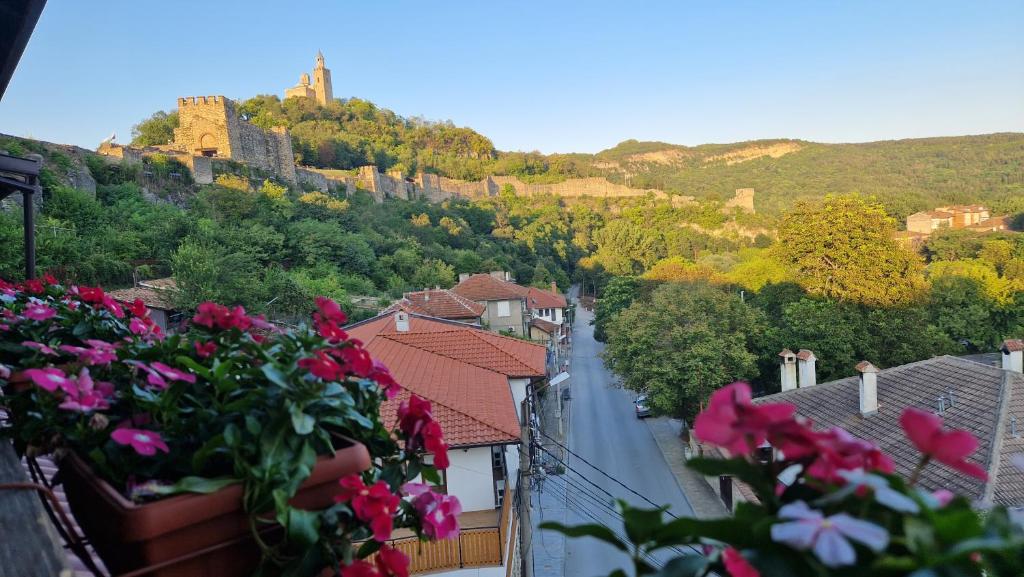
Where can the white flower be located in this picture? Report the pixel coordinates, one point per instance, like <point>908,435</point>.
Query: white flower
<point>879,486</point>
<point>828,537</point>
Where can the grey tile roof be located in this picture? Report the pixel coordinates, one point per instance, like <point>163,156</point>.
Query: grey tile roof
<point>985,397</point>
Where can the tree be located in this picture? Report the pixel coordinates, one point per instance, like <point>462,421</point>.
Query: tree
<point>617,296</point>
<point>682,344</point>
<point>960,307</point>
<point>433,273</point>
<point>155,130</point>
<point>678,269</point>
<point>831,330</point>
<point>843,249</point>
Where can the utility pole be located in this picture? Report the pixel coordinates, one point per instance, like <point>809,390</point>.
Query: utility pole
<point>525,474</point>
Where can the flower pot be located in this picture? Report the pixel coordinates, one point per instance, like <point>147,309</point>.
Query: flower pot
<point>189,535</point>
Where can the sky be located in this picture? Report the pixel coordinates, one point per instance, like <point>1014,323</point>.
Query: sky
<point>553,76</point>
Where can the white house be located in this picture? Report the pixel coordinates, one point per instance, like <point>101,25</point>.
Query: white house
<point>476,382</point>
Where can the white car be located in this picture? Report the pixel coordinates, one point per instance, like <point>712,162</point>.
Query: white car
<point>642,408</point>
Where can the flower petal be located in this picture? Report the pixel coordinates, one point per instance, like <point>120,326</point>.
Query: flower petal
<point>833,550</point>
<point>920,427</point>
<point>896,501</point>
<point>874,537</point>
<point>799,510</point>
<point>797,534</point>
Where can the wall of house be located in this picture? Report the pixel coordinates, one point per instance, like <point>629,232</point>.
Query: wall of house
<point>554,317</point>
<point>470,478</point>
<point>515,320</point>
<point>519,387</point>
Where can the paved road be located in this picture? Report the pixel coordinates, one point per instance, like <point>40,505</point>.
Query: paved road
<point>604,430</point>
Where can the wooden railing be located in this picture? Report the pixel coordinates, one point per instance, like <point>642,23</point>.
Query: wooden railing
<point>474,547</point>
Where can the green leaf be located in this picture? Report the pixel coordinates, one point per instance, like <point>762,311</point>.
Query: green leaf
<point>920,535</point>
<point>685,566</point>
<point>194,366</point>
<point>641,524</point>
<point>301,422</point>
<point>592,530</point>
<point>303,527</point>
<point>275,376</point>
<point>195,485</point>
<point>210,447</point>
<point>368,548</point>
<point>252,425</point>
<point>232,436</point>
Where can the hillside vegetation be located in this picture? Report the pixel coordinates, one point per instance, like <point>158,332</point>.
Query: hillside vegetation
<point>905,175</point>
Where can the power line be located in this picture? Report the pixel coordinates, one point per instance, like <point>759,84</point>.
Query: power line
<point>599,470</point>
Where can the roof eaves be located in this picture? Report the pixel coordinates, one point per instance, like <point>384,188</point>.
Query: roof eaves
<point>997,441</point>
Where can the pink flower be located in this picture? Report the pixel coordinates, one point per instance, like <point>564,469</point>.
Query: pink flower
<point>392,563</point>
<point>439,514</point>
<point>213,315</point>
<point>732,422</point>
<point>98,353</point>
<point>948,447</point>
<point>86,396</point>
<point>39,312</point>
<point>382,377</point>
<point>50,379</point>
<point>330,311</point>
<point>359,568</point>
<point>357,360</point>
<point>5,371</point>
<point>136,326</point>
<point>173,373</point>
<point>737,565</point>
<point>204,350</point>
<point>828,537</point>
<point>375,504</point>
<point>39,347</point>
<point>322,366</point>
<point>96,296</point>
<point>144,442</point>
<point>138,308</point>
<point>837,450</point>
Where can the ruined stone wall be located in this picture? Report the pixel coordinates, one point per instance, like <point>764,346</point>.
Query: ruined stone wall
<point>311,178</point>
<point>743,200</point>
<point>207,123</point>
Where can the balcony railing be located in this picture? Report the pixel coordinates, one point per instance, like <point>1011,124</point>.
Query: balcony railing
<point>476,545</point>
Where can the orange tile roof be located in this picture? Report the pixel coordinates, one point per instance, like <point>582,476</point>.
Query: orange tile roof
<point>441,303</point>
<point>462,369</point>
<point>484,287</point>
<point>537,298</point>
<point>546,326</point>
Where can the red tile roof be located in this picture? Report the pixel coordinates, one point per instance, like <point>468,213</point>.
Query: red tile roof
<point>546,326</point>
<point>484,287</point>
<point>156,294</point>
<point>462,369</point>
<point>440,303</point>
<point>541,299</point>
<point>1013,345</point>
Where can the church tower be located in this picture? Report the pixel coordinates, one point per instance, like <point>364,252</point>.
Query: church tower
<point>322,81</point>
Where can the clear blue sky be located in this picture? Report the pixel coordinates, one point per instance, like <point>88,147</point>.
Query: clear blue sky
<point>552,76</point>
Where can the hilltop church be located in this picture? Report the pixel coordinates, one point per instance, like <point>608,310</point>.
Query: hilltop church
<point>321,87</point>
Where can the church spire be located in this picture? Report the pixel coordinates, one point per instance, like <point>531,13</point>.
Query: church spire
<point>319,59</point>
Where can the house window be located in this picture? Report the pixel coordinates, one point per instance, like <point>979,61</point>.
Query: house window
<point>503,309</point>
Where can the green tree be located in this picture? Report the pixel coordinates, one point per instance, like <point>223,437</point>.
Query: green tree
<point>617,296</point>
<point>683,344</point>
<point>843,248</point>
<point>155,130</point>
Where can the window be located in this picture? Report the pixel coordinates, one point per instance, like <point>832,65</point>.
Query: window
<point>503,309</point>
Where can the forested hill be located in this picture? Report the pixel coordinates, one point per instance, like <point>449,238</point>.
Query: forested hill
<point>906,175</point>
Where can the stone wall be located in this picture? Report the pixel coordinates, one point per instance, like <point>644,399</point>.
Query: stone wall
<point>743,200</point>
<point>210,126</point>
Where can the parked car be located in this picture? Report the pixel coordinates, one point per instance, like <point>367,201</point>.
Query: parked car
<point>642,409</point>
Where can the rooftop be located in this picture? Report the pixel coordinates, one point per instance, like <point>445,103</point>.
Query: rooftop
<point>440,303</point>
<point>537,298</point>
<point>155,294</point>
<point>462,369</point>
<point>986,400</point>
<point>484,287</point>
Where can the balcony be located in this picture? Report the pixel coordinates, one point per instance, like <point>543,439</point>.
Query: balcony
<point>482,542</point>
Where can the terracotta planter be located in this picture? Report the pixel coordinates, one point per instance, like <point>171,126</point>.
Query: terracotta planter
<point>188,535</point>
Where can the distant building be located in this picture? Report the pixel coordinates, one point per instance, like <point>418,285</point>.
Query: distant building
<point>960,216</point>
<point>505,301</point>
<point>320,90</point>
<point>158,295</point>
<point>439,303</point>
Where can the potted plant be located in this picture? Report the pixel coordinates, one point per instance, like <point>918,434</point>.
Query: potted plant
<point>231,448</point>
<point>840,513</point>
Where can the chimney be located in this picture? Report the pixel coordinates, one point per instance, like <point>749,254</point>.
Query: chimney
<point>787,364</point>
<point>868,387</point>
<point>554,287</point>
<point>402,321</point>
<point>805,359</point>
<point>498,274</point>
<point>1013,355</point>
<point>463,276</point>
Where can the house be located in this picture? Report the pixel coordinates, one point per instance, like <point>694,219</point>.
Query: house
<point>976,396</point>
<point>158,295</point>
<point>439,303</point>
<point>505,301</point>
<point>547,305</point>
<point>970,216</point>
<point>476,381</point>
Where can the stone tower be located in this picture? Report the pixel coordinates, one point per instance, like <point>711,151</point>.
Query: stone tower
<point>322,81</point>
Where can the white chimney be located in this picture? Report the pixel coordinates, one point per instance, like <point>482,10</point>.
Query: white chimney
<point>1013,355</point>
<point>463,276</point>
<point>868,387</point>
<point>787,366</point>
<point>402,321</point>
<point>808,377</point>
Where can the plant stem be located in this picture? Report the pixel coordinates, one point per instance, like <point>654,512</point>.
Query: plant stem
<point>917,470</point>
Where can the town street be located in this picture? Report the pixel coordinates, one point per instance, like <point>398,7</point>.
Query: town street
<point>604,430</point>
